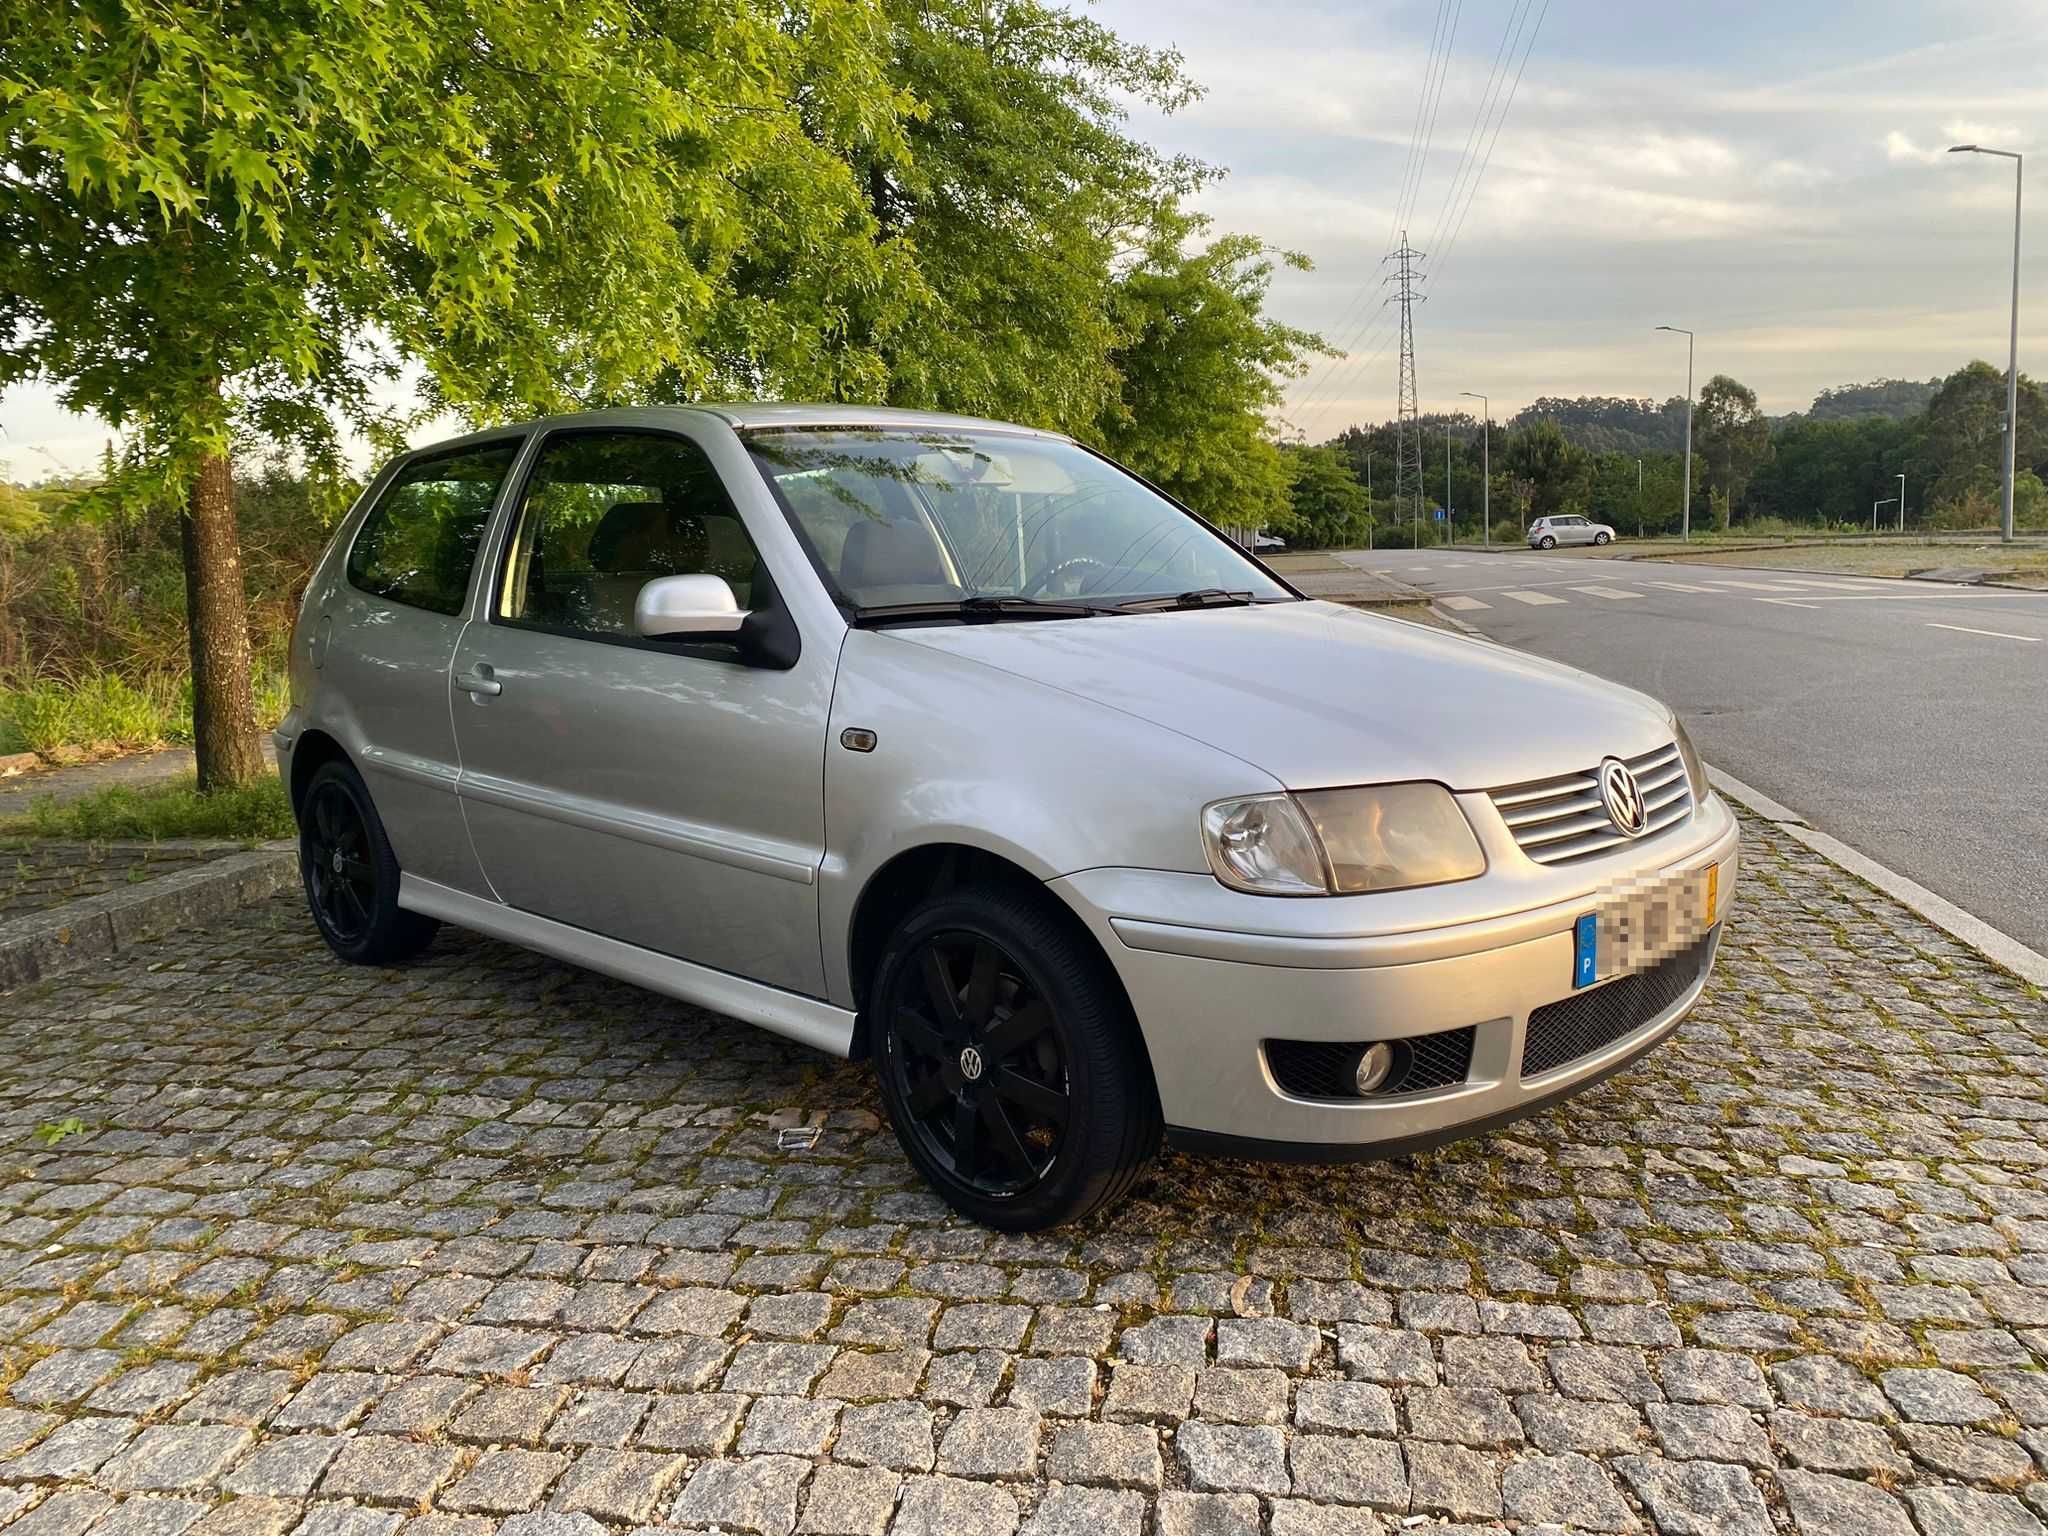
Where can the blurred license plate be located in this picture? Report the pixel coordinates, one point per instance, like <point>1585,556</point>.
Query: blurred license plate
<point>1635,928</point>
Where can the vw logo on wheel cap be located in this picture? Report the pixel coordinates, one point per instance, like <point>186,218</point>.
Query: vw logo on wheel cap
<point>1623,797</point>
<point>970,1064</point>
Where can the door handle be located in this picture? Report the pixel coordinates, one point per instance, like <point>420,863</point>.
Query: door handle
<point>480,681</point>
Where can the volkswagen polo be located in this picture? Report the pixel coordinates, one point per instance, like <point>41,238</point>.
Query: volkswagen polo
<point>951,747</point>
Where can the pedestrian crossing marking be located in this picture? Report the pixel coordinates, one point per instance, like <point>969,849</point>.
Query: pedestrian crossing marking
<point>1757,586</point>
<point>1463,604</point>
<point>1609,592</point>
<point>1532,598</point>
<point>1681,586</point>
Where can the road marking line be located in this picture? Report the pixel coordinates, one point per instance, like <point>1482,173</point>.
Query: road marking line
<point>2000,948</point>
<point>1787,602</point>
<point>1999,634</point>
<point>1609,592</point>
<point>1463,603</point>
<point>1840,586</point>
<point>1756,586</point>
<point>1534,597</point>
<point>1681,586</point>
<point>1898,597</point>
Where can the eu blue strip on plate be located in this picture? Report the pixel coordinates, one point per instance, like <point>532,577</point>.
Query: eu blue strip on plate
<point>1585,950</point>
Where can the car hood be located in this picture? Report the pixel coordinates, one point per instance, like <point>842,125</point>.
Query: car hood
<point>1319,695</point>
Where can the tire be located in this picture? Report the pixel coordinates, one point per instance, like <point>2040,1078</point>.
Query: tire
<point>1603,538</point>
<point>1546,542</point>
<point>1060,1118</point>
<point>351,875</point>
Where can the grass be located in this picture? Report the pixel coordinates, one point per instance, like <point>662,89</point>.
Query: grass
<point>102,712</point>
<point>147,813</point>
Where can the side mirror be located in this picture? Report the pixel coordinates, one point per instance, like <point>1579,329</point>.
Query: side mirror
<point>681,607</point>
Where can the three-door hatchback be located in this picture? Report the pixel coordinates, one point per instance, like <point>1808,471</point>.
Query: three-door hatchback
<point>951,746</point>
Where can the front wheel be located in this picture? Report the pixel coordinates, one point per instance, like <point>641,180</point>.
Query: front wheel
<point>1603,538</point>
<point>1546,542</point>
<point>351,874</point>
<point>1009,1062</point>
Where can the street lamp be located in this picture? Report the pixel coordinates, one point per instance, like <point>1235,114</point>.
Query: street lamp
<point>1902,503</point>
<point>2012,366</point>
<point>1685,511</point>
<point>1485,461</point>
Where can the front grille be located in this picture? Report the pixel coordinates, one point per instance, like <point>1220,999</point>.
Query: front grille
<point>1560,1033</point>
<point>1559,820</point>
<point>1327,1069</point>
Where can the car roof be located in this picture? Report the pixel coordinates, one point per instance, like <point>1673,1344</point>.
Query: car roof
<point>748,416</point>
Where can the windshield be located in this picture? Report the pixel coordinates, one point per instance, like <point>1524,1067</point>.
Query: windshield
<point>936,517</point>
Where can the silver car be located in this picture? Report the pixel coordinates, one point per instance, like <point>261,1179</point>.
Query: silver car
<point>950,746</point>
<point>1549,532</point>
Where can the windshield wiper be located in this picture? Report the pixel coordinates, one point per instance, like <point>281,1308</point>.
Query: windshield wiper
<point>1201,597</point>
<point>976,610</point>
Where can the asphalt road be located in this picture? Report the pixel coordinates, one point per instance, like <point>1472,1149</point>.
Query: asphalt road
<point>1907,719</point>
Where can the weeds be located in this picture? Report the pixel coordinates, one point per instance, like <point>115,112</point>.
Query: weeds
<point>50,1132</point>
<point>255,814</point>
<point>103,710</point>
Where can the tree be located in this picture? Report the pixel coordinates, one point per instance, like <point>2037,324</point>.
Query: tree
<point>1963,432</point>
<point>1732,438</point>
<point>1555,473</point>
<point>1329,508</point>
<point>1197,369</point>
<point>226,214</point>
<point>1019,194</point>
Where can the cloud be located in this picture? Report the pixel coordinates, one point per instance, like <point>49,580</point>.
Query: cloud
<point>1901,150</point>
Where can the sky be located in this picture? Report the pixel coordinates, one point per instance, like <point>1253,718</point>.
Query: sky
<point>1771,176</point>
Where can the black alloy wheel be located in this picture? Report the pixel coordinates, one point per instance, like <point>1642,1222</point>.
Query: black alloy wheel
<point>979,1066</point>
<point>351,874</point>
<point>1008,1060</point>
<point>341,882</point>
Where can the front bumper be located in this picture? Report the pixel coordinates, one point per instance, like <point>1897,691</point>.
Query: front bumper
<point>1212,974</point>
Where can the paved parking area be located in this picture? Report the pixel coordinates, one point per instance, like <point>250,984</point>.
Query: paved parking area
<point>493,1245</point>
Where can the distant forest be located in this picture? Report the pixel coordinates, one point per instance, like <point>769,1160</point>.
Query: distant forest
<point>1611,424</point>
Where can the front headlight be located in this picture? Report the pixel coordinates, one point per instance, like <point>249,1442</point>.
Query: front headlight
<point>1687,754</point>
<point>1383,837</point>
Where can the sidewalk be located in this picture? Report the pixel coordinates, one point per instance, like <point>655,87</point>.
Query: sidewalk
<point>1337,580</point>
<point>78,780</point>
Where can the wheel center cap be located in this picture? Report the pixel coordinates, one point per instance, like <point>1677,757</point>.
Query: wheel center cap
<point>337,861</point>
<point>970,1064</point>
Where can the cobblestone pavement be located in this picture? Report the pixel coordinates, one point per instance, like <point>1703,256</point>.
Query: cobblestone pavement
<point>493,1245</point>
<point>37,876</point>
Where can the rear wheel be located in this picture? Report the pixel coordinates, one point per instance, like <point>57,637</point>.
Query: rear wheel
<point>1603,538</point>
<point>351,874</point>
<point>1546,542</point>
<point>1009,1062</point>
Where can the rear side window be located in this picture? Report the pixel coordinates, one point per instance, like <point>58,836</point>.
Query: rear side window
<point>420,540</point>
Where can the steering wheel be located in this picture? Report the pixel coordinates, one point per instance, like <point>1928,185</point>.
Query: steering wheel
<point>1040,587</point>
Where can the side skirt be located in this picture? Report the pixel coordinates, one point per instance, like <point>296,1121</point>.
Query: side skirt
<point>807,1020</point>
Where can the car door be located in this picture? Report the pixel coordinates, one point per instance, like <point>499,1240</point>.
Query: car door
<point>384,631</point>
<point>666,793</point>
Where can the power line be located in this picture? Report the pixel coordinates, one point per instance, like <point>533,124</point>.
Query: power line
<point>1510,37</point>
<point>1443,71</point>
<point>1425,109</point>
<point>1472,191</point>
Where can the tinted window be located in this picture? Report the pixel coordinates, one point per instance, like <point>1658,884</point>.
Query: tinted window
<point>419,542</point>
<point>603,514</point>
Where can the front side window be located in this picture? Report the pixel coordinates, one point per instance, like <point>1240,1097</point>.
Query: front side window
<point>937,516</point>
<point>419,542</point>
<point>603,514</point>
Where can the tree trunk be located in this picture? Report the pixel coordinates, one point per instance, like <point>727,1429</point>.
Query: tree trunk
<point>224,731</point>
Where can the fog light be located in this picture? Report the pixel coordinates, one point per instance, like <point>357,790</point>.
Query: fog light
<point>1374,1064</point>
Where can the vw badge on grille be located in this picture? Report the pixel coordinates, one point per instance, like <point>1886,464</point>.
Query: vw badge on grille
<point>1622,796</point>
